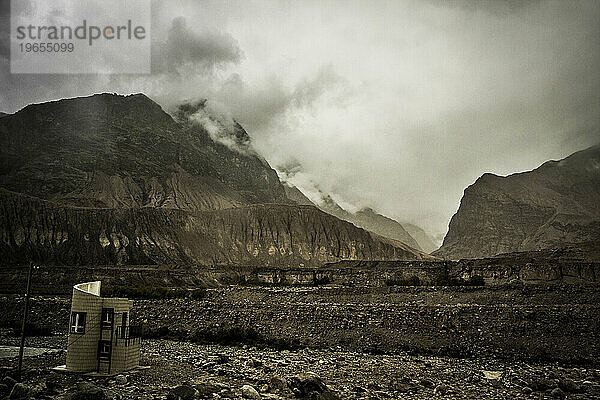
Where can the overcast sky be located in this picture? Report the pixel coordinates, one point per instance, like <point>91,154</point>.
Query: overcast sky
<point>394,105</point>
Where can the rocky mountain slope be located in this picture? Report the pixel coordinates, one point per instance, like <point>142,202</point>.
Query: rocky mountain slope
<point>294,194</point>
<point>368,219</point>
<point>125,151</point>
<point>111,179</point>
<point>425,241</point>
<point>260,234</point>
<point>555,205</point>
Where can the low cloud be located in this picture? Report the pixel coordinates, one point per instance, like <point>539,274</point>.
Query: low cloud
<point>187,51</point>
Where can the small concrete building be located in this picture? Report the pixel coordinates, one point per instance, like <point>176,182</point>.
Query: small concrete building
<point>100,337</point>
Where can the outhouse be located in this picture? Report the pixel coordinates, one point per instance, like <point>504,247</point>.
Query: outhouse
<point>100,338</point>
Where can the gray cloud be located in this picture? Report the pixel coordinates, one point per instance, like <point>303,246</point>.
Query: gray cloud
<point>186,49</point>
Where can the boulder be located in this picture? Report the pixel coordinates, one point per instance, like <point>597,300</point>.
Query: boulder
<point>306,384</point>
<point>248,392</point>
<point>182,392</point>
<point>89,391</point>
<point>19,391</point>
<point>568,385</point>
<point>278,384</point>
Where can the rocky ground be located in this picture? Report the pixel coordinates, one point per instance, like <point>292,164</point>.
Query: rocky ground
<point>359,343</point>
<point>537,324</point>
<point>214,371</point>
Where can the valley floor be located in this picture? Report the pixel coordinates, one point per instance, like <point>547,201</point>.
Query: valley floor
<point>365,343</point>
<point>351,375</point>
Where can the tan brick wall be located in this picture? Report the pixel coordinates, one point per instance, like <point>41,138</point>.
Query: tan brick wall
<point>82,348</point>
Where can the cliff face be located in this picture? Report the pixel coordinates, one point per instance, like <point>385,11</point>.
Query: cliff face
<point>552,206</point>
<point>262,234</point>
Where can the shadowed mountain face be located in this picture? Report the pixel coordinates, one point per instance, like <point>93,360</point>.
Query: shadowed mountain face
<point>114,179</point>
<point>261,234</point>
<point>125,151</point>
<point>552,206</point>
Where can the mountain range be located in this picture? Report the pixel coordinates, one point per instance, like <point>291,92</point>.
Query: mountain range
<point>112,179</point>
<point>368,219</point>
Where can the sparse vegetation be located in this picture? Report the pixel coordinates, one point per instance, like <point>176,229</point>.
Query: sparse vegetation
<point>152,292</point>
<point>403,281</point>
<point>31,328</point>
<point>227,335</point>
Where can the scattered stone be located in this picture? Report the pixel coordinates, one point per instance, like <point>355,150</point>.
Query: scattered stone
<point>223,358</point>
<point>19,391</point>
<point>557,393</point>
<point>182,392</point>
<point>359,389</point>
<point>492,375</point>
<point>278,384</point>
<point>402,387</point>
<point>426,383</point>
<point>440,390</point>
<point>254,363</point>
<point>568,385</point>
<point>89,391</point>
<point>9,382</point>
<point>53,386</point>
<point>121,380</point>
<point>541,384</point>
<point>496,383</point>
<point>248,392</point>
<point>206,389</point>
<point>527,390</point>
<point>305,384</point>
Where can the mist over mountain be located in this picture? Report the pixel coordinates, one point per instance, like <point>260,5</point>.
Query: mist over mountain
<point>426,242</point>
<point>111,179</point>
<point>294,194</point>
<point>366,218</point>
<point>553,206</point>
<point>125,151</point>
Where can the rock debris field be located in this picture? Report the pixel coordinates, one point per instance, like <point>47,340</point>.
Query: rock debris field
<point>280,353</point>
